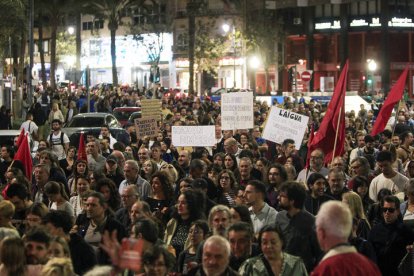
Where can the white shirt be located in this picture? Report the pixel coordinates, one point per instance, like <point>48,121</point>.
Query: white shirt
<point>30,127</point>
<point>395,184</point>
<point>57,146</point>
<point>266,216</point>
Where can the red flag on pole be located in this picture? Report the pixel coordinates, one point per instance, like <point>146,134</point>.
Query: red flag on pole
<point>82,149</point>
<point>394,97</point>
<point>311,136</point>
<point>20,139</point>
<point>331,134</point>
<point>23,155</point>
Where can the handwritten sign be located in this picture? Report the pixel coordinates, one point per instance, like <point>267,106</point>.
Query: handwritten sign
<point>151,108</point>
<point>146,127</point>
<point>237,111</point>
<point>195,136</point>
<point>284,124</point>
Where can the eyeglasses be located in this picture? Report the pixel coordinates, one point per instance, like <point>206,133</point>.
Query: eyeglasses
<point>224,178</point>
<point>390,210</point>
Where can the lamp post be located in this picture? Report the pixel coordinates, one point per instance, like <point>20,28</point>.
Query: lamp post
<point>372,66</point>
<point>226,29</point>
<point>254,63</point>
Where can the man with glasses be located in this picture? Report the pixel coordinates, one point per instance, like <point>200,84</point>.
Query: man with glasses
<point>132,177</point>
<point>390,237</point>
<point>316,165</point>
<point>129,196</point>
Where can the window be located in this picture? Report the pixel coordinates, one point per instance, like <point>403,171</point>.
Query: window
<point>90,25</point>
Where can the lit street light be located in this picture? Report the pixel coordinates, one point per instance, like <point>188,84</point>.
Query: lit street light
<point>71,30</point>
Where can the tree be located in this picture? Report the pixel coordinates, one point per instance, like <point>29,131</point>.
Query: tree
<point>13,29</point>
<point>55,11</point>
<point>262,30</point>
<point>112,11</point>
<point>149,20</point>
<point>209,48</point>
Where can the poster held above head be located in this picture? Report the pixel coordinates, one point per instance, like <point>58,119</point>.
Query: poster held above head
<point>193,136</point>
<point>283,124</point>
<point>237,111</point>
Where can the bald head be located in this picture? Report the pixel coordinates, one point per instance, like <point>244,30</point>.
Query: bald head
<point>230,145</point>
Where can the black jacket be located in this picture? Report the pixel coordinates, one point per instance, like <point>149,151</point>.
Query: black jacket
<point>110,225</point>
<point>390,241</point>
<point>82,254</point>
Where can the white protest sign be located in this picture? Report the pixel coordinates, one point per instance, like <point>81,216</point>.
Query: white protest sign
<point>284,124</point>
<point>194,136</point>
<point>237,111</point>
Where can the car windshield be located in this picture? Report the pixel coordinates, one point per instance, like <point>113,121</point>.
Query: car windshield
<point>134,116</point>
<point>87,122</point>
<point>122,115</point>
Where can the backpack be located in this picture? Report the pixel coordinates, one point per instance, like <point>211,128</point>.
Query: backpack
<point>61,139</point>
<point>45,99</point>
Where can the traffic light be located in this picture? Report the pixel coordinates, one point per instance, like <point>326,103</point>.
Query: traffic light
<point>369,80</point>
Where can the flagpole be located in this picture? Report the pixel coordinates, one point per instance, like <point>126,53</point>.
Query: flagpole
<point>395,123</point>
<point>336,134</point>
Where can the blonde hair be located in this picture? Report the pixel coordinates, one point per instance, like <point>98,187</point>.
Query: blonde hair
<point>355,204</point>
<point>58,267</point>
<point>6,209</point>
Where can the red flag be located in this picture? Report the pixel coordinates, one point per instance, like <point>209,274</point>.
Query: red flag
<point>311,136</point>
<point>20,139</point>
<point>394,97</point>
<point>331,133</point>
<point>23,155</point>
<point>82,149</point>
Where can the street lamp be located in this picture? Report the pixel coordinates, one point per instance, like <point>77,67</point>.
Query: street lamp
<point>71,30</point>
<point>254,62</point>
<point>226,28</point>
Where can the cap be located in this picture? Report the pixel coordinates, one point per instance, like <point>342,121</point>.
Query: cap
<point>112,158</point>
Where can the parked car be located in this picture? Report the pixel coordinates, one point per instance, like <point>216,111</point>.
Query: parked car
<point>133,116</point>
<point>7,138</point>
<point>92,123</point>
<point>123,113</point>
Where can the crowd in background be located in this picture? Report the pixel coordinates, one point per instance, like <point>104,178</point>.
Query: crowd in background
<point>246,206</point>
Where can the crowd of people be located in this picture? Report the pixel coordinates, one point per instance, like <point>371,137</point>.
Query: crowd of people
<point>245,206</point>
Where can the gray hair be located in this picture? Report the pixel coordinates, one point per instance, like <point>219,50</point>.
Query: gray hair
<point>219,240</point>
<point>335,218</point>
<point>133,164</point>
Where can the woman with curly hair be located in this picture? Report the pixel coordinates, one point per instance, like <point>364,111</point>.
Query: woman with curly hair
<point>190,208</point>
<point>162,195</point>
<point>108,188</point>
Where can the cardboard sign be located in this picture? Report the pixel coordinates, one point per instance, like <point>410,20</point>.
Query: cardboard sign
<point>284,124</point>
<point>237,111</point>
<point>194,136</point>
<point>147,126</point>
<point>151,108</point>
